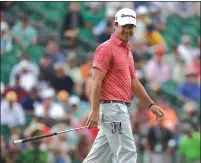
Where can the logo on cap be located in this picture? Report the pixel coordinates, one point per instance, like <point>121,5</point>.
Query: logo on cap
<point>127,16</point>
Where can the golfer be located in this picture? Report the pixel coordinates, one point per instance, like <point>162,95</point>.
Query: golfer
<point>114,80</point>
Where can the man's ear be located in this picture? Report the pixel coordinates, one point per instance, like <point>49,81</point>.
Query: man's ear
<point>115,24</point>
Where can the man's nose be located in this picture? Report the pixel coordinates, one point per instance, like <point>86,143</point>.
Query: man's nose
<point>127,29</point>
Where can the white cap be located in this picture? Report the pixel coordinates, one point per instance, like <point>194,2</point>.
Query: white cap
<point>142,10</point>
<point>74,100</point>
<point>125,16</point>
<point>47,93</point>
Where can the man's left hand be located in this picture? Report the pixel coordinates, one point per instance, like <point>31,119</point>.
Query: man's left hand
<point>158,112</point>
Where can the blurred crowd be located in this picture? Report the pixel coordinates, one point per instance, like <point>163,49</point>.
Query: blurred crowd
<point>54,95</point>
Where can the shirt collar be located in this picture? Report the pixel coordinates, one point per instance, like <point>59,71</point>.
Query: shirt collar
<point>118,42</point>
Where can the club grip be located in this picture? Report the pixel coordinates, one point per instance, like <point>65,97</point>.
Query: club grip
<point>17,142</point>
<point>34,138</point>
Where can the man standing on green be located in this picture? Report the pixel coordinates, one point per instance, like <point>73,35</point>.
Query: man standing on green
<point>189,145</point>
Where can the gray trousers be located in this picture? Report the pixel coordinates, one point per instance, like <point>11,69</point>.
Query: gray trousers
<point>113,141</point>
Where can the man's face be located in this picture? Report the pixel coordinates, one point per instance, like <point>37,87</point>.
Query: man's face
<point>60,72</point>
<point>191,78</point>
<point>25,23</point>
<point>52,47</point>
<point>124,32</point>
<point>47,101</point>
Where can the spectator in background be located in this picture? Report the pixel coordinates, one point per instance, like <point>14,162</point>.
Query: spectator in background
<point>21,92</point>
<point>95,13</point>
<point>100,28</point>
<point>156,16</point>
<point>48,109</point>
<point>24,62</point>
<point>38,122</point>
<point>77,115</point>
<point>87,66</point>
<point>158,149</point>
<point>27,78</point>
<point>174,58</point>
<point>52,51</point>
<point>157,71</point>
<point>190,115</point>
<point>24,33</point>
<point>72,22</point>
<point>12,113</point>
<point>190,89</point>
<point>63,97</point>
<point>178,72</point>
<point>105,35</point>
<point>29,101</point>
<point>62,81</point>
<point>189,146</point>
<point>142,21</point>
<point>154,39</point>
<point>46,71</point>
<point>6,38</point>
<point>185,50</point>
<point>73,71</point>
<point>140,51</point>
<point>87,31</point>
<point>35,152</point>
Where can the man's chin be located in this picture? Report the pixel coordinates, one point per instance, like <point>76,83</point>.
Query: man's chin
<point>126,38</point>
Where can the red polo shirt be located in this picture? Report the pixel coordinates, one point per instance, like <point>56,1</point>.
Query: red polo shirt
<point>115,59</point>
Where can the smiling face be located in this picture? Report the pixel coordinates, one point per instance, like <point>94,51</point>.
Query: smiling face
<point>124,32</point>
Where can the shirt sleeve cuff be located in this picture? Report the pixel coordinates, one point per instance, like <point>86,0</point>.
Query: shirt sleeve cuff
<point>102,68</point>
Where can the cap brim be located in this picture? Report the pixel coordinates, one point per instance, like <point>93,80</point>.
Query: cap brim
<point>127,21</point>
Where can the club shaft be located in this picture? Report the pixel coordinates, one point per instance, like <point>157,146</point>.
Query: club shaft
<point>46,135</point>
<point>60,132</point>
<point>51,134</point>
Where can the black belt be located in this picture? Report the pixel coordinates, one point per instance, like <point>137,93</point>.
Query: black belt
<point>114,101</point>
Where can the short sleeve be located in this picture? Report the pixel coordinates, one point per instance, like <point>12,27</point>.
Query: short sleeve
<point>102,58</point>
<point>132,68</point>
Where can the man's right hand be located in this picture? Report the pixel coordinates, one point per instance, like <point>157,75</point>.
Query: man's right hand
<point>93,120</point>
